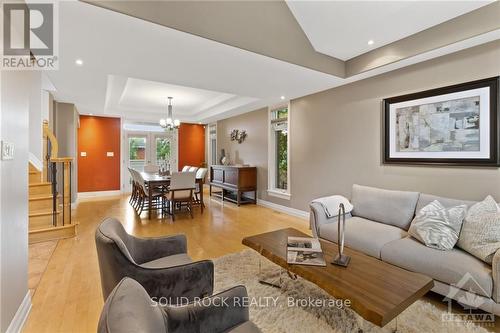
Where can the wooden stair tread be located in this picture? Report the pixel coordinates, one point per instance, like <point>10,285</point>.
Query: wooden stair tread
<point>41,197</point>
<point>67,226</point>
<point>39,184</point>
<point>51,233</point>
<point>43,213</point>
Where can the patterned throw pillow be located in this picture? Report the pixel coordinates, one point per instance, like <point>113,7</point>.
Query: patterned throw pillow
<point>438,227</point>
<point>480,234</point>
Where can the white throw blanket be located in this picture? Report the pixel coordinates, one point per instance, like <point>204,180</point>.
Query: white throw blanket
<point>331,204</point>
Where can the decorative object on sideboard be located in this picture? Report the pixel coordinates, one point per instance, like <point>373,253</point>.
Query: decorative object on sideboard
<point>455,125</point>
<point>341,259</point>
<point>238,135</point>
<point>222,155</point>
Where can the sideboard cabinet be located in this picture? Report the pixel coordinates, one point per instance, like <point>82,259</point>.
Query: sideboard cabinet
<point>234,181</point>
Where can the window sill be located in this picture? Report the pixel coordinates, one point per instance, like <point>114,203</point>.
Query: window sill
<point>279,194</point>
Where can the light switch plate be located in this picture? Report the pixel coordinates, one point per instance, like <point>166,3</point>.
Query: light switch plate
<point>110,154</point>
<point>7,151</point>
<point>83,153</point>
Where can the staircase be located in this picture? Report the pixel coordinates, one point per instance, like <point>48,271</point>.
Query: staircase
<point>49,211</point>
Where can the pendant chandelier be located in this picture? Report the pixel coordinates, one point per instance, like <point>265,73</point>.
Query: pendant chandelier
<point>170,123</point>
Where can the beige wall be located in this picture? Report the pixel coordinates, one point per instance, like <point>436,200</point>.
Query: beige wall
<point>67,121</point>
<point>336,135</point>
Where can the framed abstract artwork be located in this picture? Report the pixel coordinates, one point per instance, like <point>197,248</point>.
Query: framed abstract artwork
<point>455,125</point>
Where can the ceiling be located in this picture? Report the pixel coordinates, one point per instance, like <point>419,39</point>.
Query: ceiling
<point>132,98</point>
<point>124,58</point>
<point>130,67</point>
<point>342,29</point>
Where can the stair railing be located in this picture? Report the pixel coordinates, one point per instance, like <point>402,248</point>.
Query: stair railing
<point>51,161</point>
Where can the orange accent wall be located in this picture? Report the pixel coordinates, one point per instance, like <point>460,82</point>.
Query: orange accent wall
<point>96,137</point>
<point>191,145</point>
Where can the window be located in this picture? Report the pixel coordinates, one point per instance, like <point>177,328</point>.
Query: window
<point>137,149</point>
<point>162,149</point>
<point>279,152</point>
<point>212,136</point>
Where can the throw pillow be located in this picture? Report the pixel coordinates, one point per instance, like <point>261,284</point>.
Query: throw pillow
<point>438,227</point>
<point>480,234</point>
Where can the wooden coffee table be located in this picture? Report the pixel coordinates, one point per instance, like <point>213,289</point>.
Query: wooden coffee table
<point>378,291</point>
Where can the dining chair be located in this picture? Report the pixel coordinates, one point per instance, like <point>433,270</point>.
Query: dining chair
<point>185,168</point>
<point>143,193</point>
<point>133,195</point>
<point>200,174</point>
<point>193,169</point>
<point>136,190</point>
<point>151,168</point>
<point>182,186</point>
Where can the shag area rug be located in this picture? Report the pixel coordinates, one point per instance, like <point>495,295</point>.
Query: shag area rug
<point>288,309</point>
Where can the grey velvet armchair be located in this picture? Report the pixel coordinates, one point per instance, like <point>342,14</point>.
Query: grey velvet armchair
<point>129,309</point>
<point>161,265</point>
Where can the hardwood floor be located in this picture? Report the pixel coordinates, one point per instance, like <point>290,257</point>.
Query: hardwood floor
<point>68,297</point>
<point>39,256</point>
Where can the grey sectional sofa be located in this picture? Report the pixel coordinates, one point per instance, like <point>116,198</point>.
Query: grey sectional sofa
<point>378,227</point>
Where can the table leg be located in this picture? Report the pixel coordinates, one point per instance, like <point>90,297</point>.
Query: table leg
<point>201,197</point>
<point>267,283</point>
<point>238,198</point>
<point>150,201</point>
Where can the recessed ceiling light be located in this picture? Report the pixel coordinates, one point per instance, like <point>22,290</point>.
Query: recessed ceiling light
<point>282,97</point>
<point>370,42</point>
<point>79,62</point>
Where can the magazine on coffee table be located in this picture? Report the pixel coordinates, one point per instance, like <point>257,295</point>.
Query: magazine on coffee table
<point>304,251</point>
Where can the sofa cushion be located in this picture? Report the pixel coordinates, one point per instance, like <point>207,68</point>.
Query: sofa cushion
<point>363,235</point>
<point>452,267</point>
<point>438,227</point>
<point>390,207</point>
<point>425,199</point>
<point>170,261</point>
<point>480,234</point>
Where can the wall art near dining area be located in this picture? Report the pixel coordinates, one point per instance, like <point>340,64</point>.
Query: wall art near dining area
<point>454,125</point>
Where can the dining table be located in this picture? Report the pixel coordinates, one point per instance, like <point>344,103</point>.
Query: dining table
<point>155,180</point>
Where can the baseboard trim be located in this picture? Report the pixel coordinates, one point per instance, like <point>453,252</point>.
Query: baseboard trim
<point>17,323</point>
<point>284,209</point>
<point>83,195</point>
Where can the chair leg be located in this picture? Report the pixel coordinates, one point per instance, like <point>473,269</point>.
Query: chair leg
<point>137,204</point>
<point>141,208</point>
<point>191,207</point>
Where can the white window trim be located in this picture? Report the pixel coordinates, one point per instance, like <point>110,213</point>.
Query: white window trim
<point>209,149</point>
<point>271,157</point>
